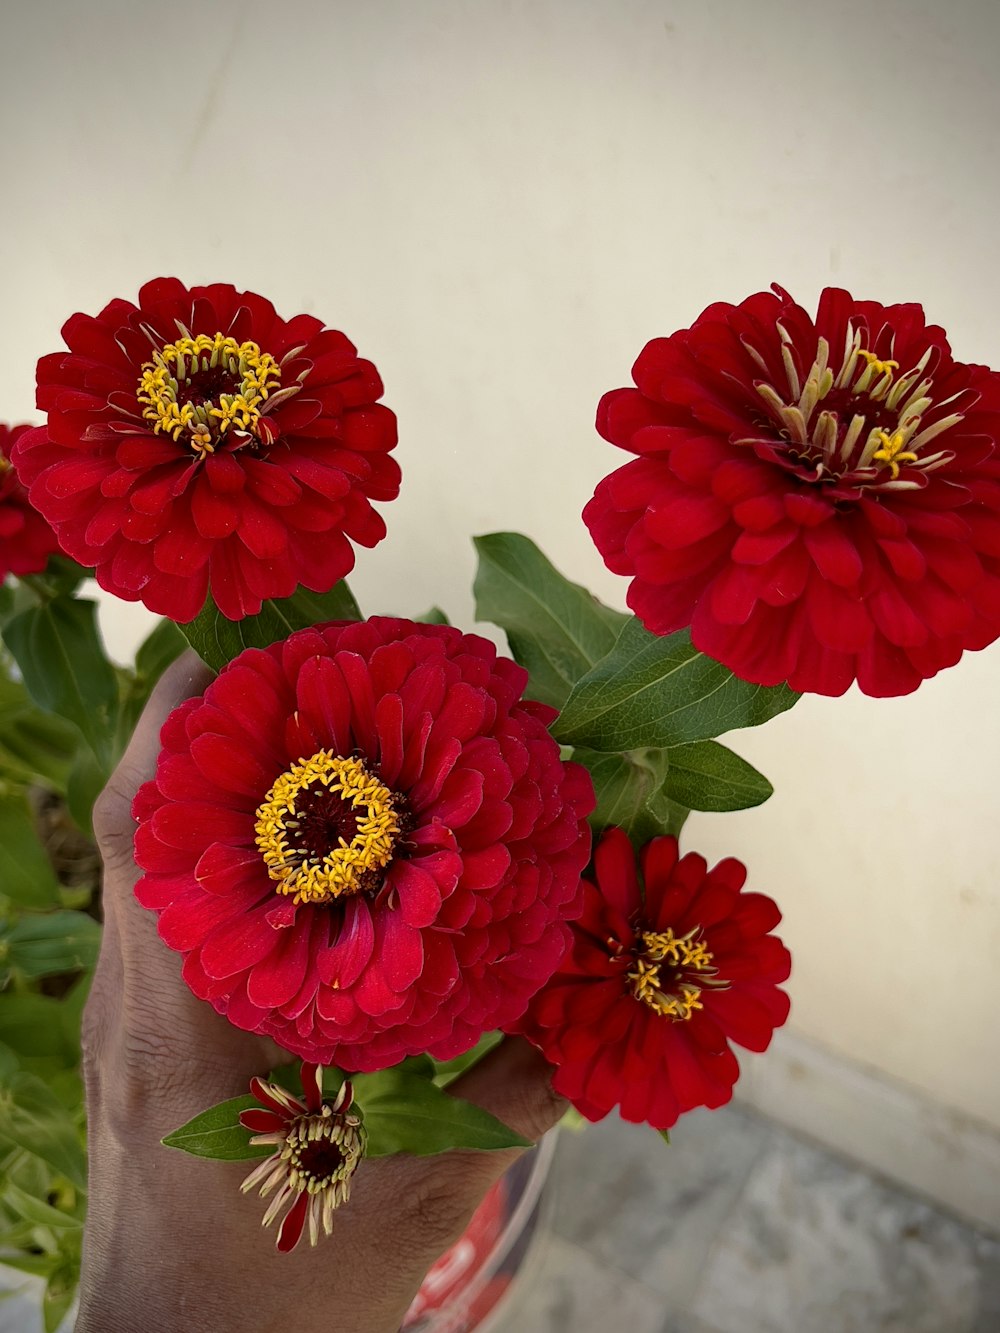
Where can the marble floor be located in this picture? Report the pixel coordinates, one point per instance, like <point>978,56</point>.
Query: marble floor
<point>741,1227</point>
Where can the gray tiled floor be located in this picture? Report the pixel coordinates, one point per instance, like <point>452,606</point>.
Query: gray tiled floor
<point>740,1227</point>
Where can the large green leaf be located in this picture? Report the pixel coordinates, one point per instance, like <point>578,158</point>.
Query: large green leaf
<point>659,692</point>
<point>557,630</point>
<point>217,1133</point>
<point>32,1118</point>
<point>405,1112</point>
<point>217,640</point>
<point>65,668</point>
<point>37,1029</point>
<point>41,945</point>
<point>630,793</point>
<point>34,746</point>
<point>26,876</point>
<point>707,776</point>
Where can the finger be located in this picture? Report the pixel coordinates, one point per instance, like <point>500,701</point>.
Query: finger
<point>112,817</point>
<point>185,677</point>
<point>114,828</point>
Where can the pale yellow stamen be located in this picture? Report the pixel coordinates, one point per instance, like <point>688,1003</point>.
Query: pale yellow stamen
<point>254,374</point>
<point>344,869</point>
<point>861,449</point>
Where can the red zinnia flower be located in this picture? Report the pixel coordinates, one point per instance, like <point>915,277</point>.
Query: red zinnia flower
<point>364,842</point>
<point>658,983</point>
<point>818,499</point>
<point>317,1147</point>
<point>26,540</point>
<point>199,442</point>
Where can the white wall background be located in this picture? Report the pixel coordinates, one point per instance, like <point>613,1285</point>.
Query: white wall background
<point>500,201</point>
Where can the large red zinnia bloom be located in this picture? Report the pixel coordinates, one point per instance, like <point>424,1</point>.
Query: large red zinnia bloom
<point>818,499</point>
<point>642,1010</point>
<point>364,842</point>
<point>197,441</point>
<point>26,540</point>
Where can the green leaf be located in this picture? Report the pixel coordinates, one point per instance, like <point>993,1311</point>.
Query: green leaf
<point>556,629</point>
<point>26,875</point>
<point>660,692</point>
<point>34,746</point>
<point>664,1135</point>
<point>435,616</point>
<point>217,1133</point>
<point>405,1112</point>
<point>34,1210</point>
<point>65,669</point>
<point>83,786</point>
<point>630,794</point>
<point>708,776</point>
<point>217,640</point>
<point>41,946</point>
<point>34,1027</point>
<point>59,1294</point>
<point>32,1118</point>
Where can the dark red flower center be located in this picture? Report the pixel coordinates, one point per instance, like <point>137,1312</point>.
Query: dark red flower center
<point>328,829</point>
<point>669,973</point>
<point>320,1159</point>
<point>200,389</point>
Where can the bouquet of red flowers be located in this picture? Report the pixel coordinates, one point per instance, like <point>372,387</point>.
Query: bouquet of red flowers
<point>380,842</point>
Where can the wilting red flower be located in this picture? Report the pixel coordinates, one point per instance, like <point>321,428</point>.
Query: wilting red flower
<point>818,499</point>
<point>364,842</point>
<point>317,1147</point>
<point>196,441</point>
<point>26,540</point>
<point>659,981</point>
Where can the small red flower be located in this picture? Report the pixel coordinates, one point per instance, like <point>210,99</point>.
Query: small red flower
<point>364,842</point>
<point>26,540</point>
<point>198,442</point>
<point>659,981</point>
<point>317,1148</point>
<point>818,499</point>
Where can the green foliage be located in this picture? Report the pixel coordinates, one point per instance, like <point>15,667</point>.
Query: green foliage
<point>217,640</point>
<point>403,1110</point>
<point>658,692</point>
<point>32,1118</point>
<point>26,876</point>
<point>34,746</point>
<point>406,1112</point>
<point>631,792</point>
<point>557,630</point>
<point>44,945</point>
<point>58,648</point>
<point>707,776</point>
<point>217,1133</point>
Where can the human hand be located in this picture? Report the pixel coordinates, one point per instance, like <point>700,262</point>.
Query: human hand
<point>170,1241</point>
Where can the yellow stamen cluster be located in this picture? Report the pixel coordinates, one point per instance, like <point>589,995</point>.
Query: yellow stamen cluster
<point>342,871</point>
<point>687,953</point>
<point>891,453</point>
<point>874,388</point>
<point>176,364</point>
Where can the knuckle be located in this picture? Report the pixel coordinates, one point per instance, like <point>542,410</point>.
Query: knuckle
<point>112,820</point>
